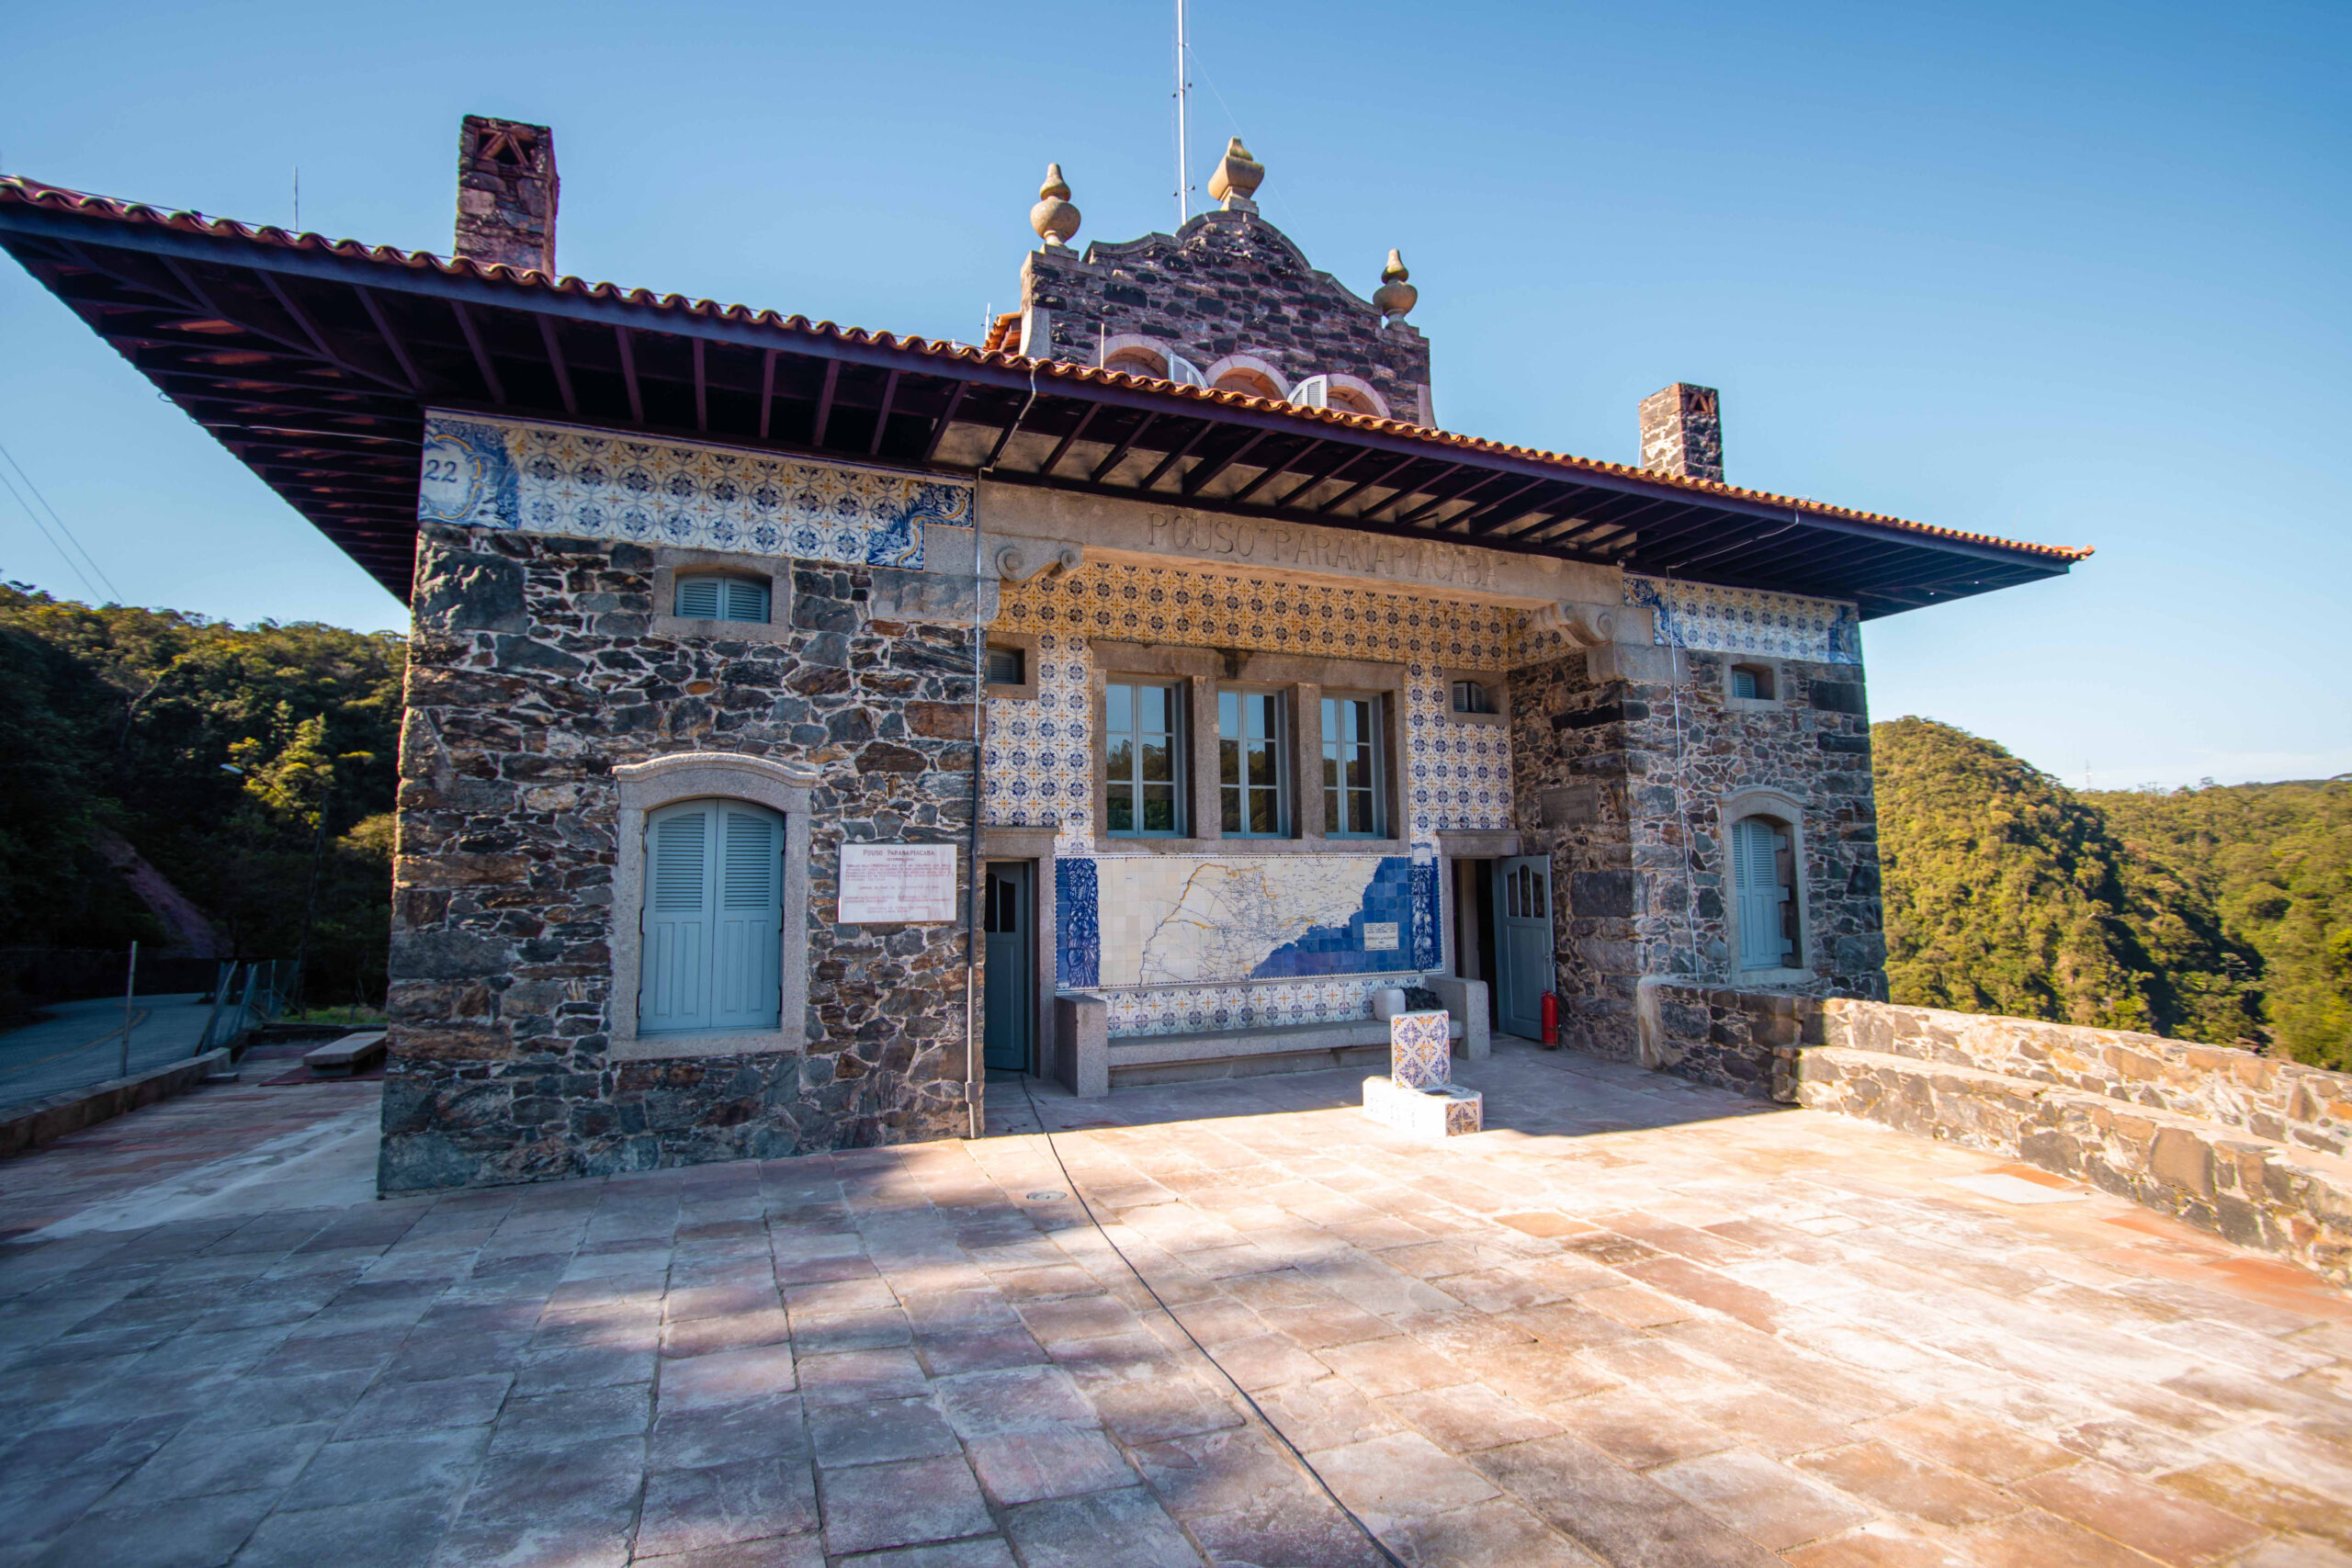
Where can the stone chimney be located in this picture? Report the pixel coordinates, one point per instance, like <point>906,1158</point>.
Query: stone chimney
<point>1682,432</point>
<point>506,191</point>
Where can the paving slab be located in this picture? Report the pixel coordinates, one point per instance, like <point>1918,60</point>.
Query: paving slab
<point>1634,1322</point>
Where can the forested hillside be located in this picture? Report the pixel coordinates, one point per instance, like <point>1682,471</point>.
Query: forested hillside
<point>119,721</point>
<point>2223,913</point>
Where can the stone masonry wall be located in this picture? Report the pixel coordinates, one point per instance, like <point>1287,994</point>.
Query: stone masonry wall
<point>2308,1107</point>
<point>531,675</point>
<point>1620,777</point>
<point>1228,283</point>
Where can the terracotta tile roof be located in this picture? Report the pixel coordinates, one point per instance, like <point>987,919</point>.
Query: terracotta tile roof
<point>17,189</point>
<point>1004,329</point>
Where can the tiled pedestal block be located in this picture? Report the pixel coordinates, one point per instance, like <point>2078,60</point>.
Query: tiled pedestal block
<point>1446,1112</point>
<point>1421,1049</point>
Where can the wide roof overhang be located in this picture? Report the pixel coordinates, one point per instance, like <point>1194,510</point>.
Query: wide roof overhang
<point>313,362</point>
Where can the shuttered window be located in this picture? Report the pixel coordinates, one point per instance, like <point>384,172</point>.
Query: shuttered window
<point>1762,877</point>
<point>714,598</point>
<point>713,918</point>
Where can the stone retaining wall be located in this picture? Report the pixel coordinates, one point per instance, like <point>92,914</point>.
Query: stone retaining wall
<point>2241,1146</point>
<point>2271,1099</point>
<point>26,1127</point>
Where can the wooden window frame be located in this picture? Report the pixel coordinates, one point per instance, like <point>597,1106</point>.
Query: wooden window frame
<point>1376,746</point>
<point>1280,743</point>
<point>1183,728</point>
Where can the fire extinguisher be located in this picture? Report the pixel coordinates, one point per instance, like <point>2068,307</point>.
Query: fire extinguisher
<point>1551,1021</point>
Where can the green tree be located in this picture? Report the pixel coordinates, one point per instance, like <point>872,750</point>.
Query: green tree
<point>2008,893</point>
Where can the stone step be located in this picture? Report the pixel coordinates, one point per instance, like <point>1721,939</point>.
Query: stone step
<point>2256,1191</point>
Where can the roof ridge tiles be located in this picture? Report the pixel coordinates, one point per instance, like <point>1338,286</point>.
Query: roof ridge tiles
<point>18,188</point>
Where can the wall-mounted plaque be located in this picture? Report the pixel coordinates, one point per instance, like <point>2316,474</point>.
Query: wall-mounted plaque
<point>891,883</point>
<point>1380,936</point>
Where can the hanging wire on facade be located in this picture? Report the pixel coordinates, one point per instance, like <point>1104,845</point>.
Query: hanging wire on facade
<point>1071,1186</point>
<point>115,593</point>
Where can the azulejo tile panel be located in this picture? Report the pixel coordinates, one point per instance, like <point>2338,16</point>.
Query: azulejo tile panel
<point>1078,963</point>
<point>1748,620</point>
<point>1421,1049</point>
<point>585,483</point>
<point>1036,770</point>
<point>1260,1004</point>
<point>1457,776</point>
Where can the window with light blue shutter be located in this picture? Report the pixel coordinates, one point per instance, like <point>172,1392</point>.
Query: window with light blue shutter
<point>1762,887</point>
<point>712,597</point>
<point>713,918</point>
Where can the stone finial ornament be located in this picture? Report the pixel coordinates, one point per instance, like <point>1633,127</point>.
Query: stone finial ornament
<point>1235,178</point>
<point>1395,299</point>
<point>1054,218</point>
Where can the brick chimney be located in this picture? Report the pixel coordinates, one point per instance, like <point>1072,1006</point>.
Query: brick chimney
<point>1682,432</point>
<point>506,191</point>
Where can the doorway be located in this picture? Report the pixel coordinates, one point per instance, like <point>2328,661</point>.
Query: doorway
<point>1523,942</point>
<point>1473,930</point>
<point>1009,922</point>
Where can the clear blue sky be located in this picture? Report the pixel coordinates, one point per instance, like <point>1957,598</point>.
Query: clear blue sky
<point>2073,274</point>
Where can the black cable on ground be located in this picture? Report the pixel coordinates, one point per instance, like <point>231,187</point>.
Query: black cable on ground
<point>1255,1409</point>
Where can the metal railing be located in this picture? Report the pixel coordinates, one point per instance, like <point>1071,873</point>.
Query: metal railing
<point>262,991</point>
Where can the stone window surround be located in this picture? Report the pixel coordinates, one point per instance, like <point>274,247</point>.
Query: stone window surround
<point>775,570</point>
<point>1788,810</point>
<point>1771,667</point>
<point>1304,678</point>
<point>1498,684</point>
<point>696,776</point>
<point>1026,690</point>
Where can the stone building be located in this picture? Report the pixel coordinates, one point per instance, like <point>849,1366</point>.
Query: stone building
<point>803,721</point>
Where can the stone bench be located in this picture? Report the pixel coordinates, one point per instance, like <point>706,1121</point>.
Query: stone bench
<point>2256,1191</point>
<point>341,1058</point>
<point>1090,1062</point>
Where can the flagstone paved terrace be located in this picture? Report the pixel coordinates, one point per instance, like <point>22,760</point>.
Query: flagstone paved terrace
<point>1637,1323</point>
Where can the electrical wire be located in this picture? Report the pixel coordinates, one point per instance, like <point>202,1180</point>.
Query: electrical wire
<point>60,527</point>
<point>87,586</point>
<point>1255,1408</point>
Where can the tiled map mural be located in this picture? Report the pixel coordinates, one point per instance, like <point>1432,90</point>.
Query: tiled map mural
<point>496,473</point>
<point>1748,620</point>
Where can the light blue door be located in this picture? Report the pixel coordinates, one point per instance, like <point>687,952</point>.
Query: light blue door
<point>713,921</point>
<point>1523,942</point>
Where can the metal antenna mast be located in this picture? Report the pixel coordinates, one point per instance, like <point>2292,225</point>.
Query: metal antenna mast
<point>1183,88</point>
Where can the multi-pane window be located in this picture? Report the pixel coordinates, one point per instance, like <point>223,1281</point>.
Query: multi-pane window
<point>1351,767</point>
<point>1249,763</point>
<point>1472,696</point>
<point>722,599</point>
<point>1142,758</point>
